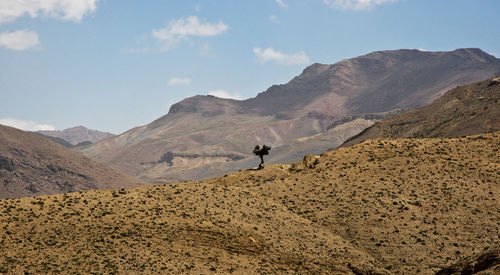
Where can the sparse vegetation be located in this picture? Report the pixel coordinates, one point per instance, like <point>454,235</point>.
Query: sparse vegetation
<point>261,152</point>
<point>436,205</point>
<point>168,157</point>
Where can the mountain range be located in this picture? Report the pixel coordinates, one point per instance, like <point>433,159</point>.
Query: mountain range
<point>415,193</point>
<point>76,136</point>
<point>317,110</point>
<point>31,165</point>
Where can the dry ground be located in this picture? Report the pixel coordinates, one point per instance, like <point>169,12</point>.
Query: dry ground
<point>381,207</point>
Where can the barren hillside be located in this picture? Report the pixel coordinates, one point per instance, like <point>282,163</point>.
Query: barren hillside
<point>381,207</point>
<point>32,165</point>
<point>315,111</point>
<point>466,110</point>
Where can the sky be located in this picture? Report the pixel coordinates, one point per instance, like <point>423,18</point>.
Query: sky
<point>112,65</point>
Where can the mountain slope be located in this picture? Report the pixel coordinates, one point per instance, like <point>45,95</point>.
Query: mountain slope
<point>32,165</point>
<point>465,110</point>
<point>56,140</point>
<point>381,207</point>
<point>78,135</point>
<point>376,82</point>
<point>300,112</point>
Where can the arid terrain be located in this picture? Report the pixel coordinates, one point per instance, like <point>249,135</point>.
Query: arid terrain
<point>386,206</point>
<point>316,111</point>
<point>31,165</point>
<point>466,110</point>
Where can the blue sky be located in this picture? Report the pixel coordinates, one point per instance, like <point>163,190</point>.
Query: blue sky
<point>115,64</point>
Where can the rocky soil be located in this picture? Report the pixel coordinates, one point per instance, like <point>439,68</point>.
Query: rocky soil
<point>387,206</point>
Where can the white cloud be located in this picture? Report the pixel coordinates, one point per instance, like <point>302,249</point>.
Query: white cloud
<point>182,29</point>
<point>25,124</point>
<point>225,94</point>
<point>179,81</point>
<point>270,54</point>
<point>19,40</point>
<point>356,4</point>
<point>71,10</point>
<point>281,3</point>
<point>197,7</point>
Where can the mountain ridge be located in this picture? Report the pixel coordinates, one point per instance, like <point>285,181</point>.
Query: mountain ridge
<point>466,110</point>
<point>306,106</point>
<point>78,134</point>
<point>33,165</point>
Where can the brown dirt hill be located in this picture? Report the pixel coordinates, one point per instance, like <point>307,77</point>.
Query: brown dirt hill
<point>466,110</point>
<point>31,165</point>
<point>381,207</point>
<point>300,112</point>
<point>79,134</point>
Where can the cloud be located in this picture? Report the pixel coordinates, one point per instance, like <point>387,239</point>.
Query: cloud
<point>225,94</point>
<point>71,10</point>
<point>270,54</point>
<point>281,3</point>
<point>356,4</point>
<point>19,40</point>
<point>25,124</point>
<point>179,81</point>
<point>182,29</point>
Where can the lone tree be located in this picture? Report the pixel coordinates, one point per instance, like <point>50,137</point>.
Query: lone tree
<point>261,152</point>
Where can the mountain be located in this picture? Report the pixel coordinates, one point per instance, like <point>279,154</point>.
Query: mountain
<point>465,110</point>
<point>317,110</point>
<point>387,206</point>
<point>57,140</point>
<point>31,165</point>
<point>77,135</point>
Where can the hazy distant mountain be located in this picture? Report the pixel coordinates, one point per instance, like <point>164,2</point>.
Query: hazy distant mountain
<point>315,111</point>
<point>32,165</point>
<point>56,140</point>
<point>466,110</point>
<point>78,135</point>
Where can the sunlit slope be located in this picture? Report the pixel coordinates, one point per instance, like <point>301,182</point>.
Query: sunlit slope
<point>466,110</point>
<point>383,206</point>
